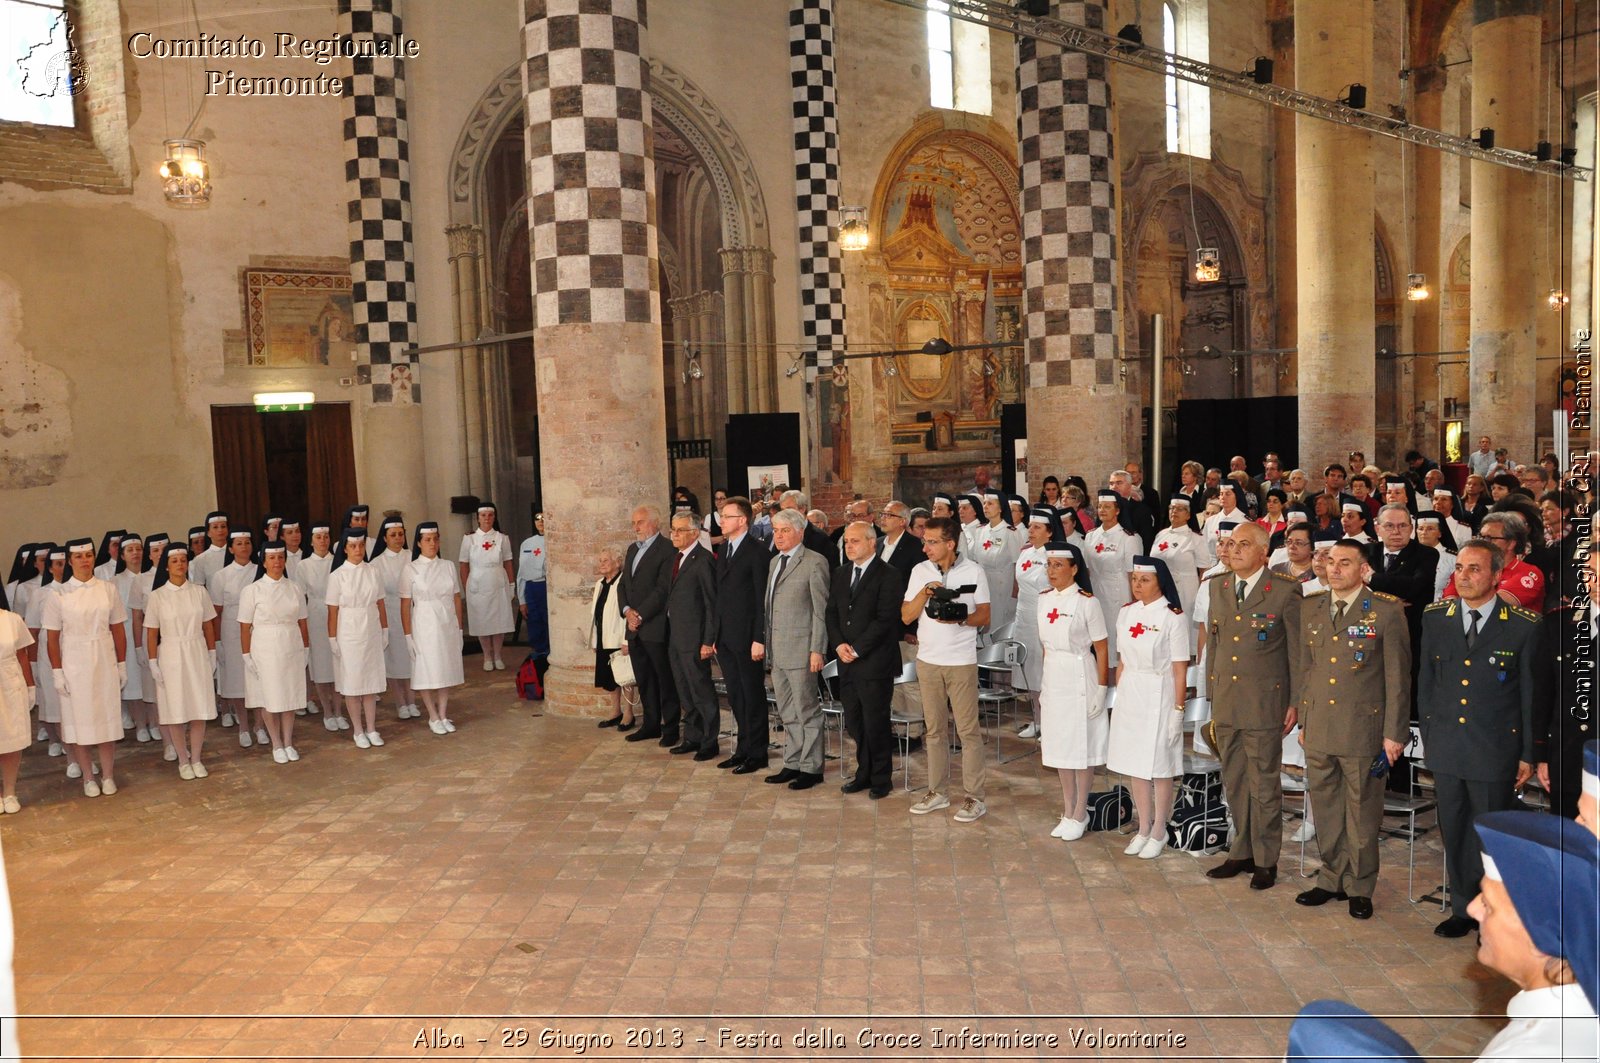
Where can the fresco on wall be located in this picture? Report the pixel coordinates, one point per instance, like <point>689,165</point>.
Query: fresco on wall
<point>297,318</point>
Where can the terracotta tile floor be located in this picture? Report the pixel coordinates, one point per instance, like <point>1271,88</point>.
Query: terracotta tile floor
<point>525,868</point>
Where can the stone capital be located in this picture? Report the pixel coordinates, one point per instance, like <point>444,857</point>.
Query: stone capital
<point>464,239</point>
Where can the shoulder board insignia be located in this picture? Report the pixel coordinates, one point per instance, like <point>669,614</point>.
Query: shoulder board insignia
<point>1526,614</point>
<point>1175,609</point>
<point>1085,593</point>
<point>1317,593</point>
<point>1443,603</point>
<point>1384,597</point>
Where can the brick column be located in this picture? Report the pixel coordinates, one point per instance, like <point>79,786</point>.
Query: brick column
<point>1506,228</point>
<point>816,172</point>
<point>1080,418</point>
<point>597,305</point>
<point>1334,204</point>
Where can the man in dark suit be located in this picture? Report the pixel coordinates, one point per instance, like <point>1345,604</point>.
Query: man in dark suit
<point>1475,696</point>
<point>642,596</point>
<point>692,636</point>
<point>741,598</point>
<point>859,509</point>
<point>897,545</point>
<point>1405,568</point>
<point>1147,492</point>
<point>1136,516</point>
<point>864,631</point>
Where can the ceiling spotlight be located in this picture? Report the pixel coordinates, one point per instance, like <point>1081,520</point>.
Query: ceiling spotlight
<point>1557,300</point>
<point>1569,156</point>
<point>891,369</point>
<point>1485,138</point>
<point>1541,151</point>
<point>1036,8</point>
<point>1261,70</point>
<point>937,345</point>
<point>794,366</point>
<point>1417,287</point>
<point>694,372</point>
<point>853,232</point>
<point>1131,35</point>
<point>1355,96</point>
<point>1207,265</point>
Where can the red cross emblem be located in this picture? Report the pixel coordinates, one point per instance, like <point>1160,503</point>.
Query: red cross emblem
<point>1053,615</point>
<point>987,543</point>
<point>1162,547</point>
<point>1027,564</point>
<point>488,545</point>
<point>1137,630</point>
<point>537,551</point>
<point>1099,548</point>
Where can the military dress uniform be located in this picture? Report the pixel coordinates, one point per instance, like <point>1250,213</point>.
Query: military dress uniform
<point>1355,683</point>
<point>1475,704</point>
<point>1248,643</point>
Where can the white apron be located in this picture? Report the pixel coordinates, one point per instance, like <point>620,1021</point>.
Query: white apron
<point>178,615</point>
<point>488,592</point>
<point>1146,728</point>
<point>356,591</point>
<point>432,586</point>
<point>995,551</point>
<point>274,608</point>
<point>91,712</point>
<point>133,689</point>
<point>1108,555</point>
<point>1072,720</point>
<point>43,681</point>
<point>226,587</point>
<point>312,576</point>
<point>1032,580</point>
<point>16,732</point>
<point>390,565</point>
<point>1184,551</point>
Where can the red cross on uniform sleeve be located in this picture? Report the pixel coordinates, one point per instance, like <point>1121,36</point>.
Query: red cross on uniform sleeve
<point>537,551</point>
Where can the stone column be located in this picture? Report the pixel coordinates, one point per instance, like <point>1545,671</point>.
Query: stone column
<point>1283,211</point>
<point>1427,168</point>
<point>466,278</point>
<point>1081,419</point>
<point>597,305</point>
<point>1334,205</point>
<point>747,302</point>
<point>383,292</point>
<point>816,168</point>
<point>1506,227</point>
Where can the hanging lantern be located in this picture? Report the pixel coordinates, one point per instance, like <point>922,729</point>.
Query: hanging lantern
<point>185,175</point>
<point>853,233</point>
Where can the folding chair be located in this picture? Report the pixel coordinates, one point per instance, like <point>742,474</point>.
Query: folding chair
<point>832,713</point>
<point>902,725</point>
<point>997,662</point>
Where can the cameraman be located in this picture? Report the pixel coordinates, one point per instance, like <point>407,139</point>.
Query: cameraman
<point>947,663</point>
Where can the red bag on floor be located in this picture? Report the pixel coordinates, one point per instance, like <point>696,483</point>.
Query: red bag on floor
<point>530,680</point>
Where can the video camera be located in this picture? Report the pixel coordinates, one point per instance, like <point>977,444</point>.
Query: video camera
<point>942,604</point>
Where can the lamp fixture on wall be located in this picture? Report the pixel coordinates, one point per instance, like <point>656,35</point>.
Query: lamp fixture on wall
<point>853,232</point>
<point>185,174</point>
<point>1207,265</point>
<point>1417,287</point>
<point>692,368</point>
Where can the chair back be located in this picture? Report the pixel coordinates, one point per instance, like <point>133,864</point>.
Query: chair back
<point>908,672</point>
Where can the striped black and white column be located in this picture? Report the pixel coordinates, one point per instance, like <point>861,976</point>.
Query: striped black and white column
<point>816,171</point>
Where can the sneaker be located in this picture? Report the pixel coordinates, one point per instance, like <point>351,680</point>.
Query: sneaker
<point>488,665</point>
<point>448,726</point>
<point>931,803</point>
<point>1153,847</point>
<point>499,665</point>
<point>169,754</point>
<point>127,722</point>
<point>437,727</point>
<point>313,708</point>
<point>1030,731</point>
<point>971,810</point>
<point>199,770</point>
<point>245,741</point>
<point>344,723</point>
<point>142,735</point>
<point>91,789</point>
<point>279,756</point>
<point>186,772</point>
<point>42,736</point>
<point>330,722</point>
<point>227,719</point>
<point>55,749</point>
<point>292,753</point>
<point>108,787</point>
<point>1135,846</point>
<point>73,771</point>
<point>299,712</point>
<point>361,740</point>
<point>262,738</point>
<point>11,806</point>
<point>1303,833</point>
<point>375,738</point>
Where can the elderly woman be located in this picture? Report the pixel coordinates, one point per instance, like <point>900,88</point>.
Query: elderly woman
<point>607,634</point>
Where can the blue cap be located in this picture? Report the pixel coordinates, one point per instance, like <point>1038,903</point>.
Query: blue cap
<point>1550,867</point>
<point>1334,1032</point>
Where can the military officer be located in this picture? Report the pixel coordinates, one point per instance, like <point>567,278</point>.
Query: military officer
<point>1475,706</point>
<point>1354,682</point>
<point>1251,615</point>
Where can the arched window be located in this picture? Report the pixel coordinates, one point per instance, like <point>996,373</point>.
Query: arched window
<point>1169,43</point>
<point>941,56</point>
<point>1184,31</point>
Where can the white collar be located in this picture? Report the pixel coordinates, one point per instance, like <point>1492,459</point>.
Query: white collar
<point>1551,1002</point>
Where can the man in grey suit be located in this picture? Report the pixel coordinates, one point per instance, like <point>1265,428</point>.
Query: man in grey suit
<point>691,636</point>
<point>642,597</point>
<point>1475,704</point>
<point>796,636</point>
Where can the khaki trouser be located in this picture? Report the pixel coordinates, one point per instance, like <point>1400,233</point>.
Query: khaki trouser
<point>1251,762</point>
<point>1348,803</point>
<point>952,690</point>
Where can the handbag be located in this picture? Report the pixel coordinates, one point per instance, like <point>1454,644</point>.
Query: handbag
<point>622,669</point>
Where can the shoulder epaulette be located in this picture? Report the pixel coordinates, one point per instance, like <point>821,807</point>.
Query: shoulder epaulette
<point>1442,603</point>
<point>1085,593</point>
<point>1315,593</point>
<point>1526,614</point>
<point>1175,609</point>
<point>1384,597</point>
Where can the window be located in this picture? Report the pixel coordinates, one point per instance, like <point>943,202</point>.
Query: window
<point>39,63</point>
<point>1184,31</point>
<point>1169,43</point>
<point>941,55</point>
<point>958,62</point>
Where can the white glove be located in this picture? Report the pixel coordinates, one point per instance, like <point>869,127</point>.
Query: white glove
<point>251,667</point>
<point>58,679</point>
<point>385,637</point>
<point>122,673</point>
<point>33,696</point>
<point>1097,704</point>
<point>211,655</point>
<point>155,671</point>
<point>411,644</point>
<point>333,645</point>
<point>141,655</point>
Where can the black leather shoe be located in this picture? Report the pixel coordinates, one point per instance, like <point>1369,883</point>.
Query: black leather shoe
<point>624,728</point>
<point>1264,878</point>
<point>786,775</point>
<point>854,786</point>
<point>1316,897</point>
<point>1457,926</point>
<point>1361,907</point>
<point>643,736</point>
<point>668,739</point>
<point>683,747</point>
<point>750,767</point>
<point>611,722</point>
<point>1230,868</point>
<point>879,795</point>
<point>805,780</point>
<point>707,754</point>
<point>732,762</point>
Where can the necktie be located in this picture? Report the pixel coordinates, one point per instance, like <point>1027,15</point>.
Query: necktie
<point>1238,591</point>
<point>676,562</point>
<point>783,563</point>
<point>1472,629</point>
<point>1338,612</point>
<point>855,578</point>
<point>1391,562</point>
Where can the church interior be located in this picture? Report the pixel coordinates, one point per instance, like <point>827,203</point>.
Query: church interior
<point>244,271</point>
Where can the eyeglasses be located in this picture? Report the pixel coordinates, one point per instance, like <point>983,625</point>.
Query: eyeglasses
<point>890,514</point>
<point>1390,525</point>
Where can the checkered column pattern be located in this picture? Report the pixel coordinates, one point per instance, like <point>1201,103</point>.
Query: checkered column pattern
<point>591,167</point>
<point>377,171</point>
<point>816,175</point>
<point>1069,218</point>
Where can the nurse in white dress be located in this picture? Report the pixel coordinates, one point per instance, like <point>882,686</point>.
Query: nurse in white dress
<point>490,584</point>
<point>1031,579</point>
<point>358,629</point>
<point>311,574</point>
<point>273,635</point>
<point>532,598</point>
<point>969,512</point>
<point>1108,553</point>
<point>1146,742</point>
<point>293,535</point>
<point>129,566</point>
<point>138,596</point>
<point>1184,549</point>
<point>211,560</point>
<point>1072,633</point>
<point>433,614</point>
<point>88,656</point>
<point>23,571</point>
<point>180,635</point>
<point>16,699</point>
<point>225,586</point>
<point>360,516</point>
<point>105,559</point>
<point>995,548</point>
<point>391,563</point>
<point>48,704</point>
